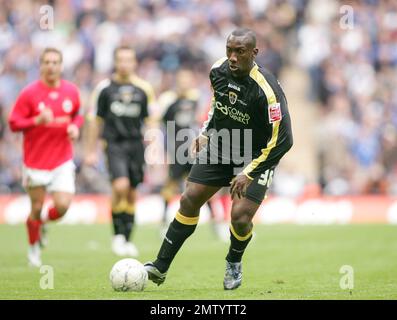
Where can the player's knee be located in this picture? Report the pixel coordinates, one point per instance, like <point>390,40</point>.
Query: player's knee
<point>121,186</point>
<point>186,203</point>
<point>36,209</point>
<point>62,206</point>
<point>190,202</point>
<point>241,224</point>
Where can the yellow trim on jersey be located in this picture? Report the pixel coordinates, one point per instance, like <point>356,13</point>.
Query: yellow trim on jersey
<point>265,152</point>
<point>186,220</point>
<point>271,99</point>
<point>219,62</point>
<point>248,176</point>
<point>93,100</point>
<point>166,99</point>
<point>145,86</point>
<point>265,86</point>
<point>240,238</point>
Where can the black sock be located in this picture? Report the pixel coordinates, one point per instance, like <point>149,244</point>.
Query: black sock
<point>118,223</point>
<point>128,221</point>
<point>176,235</point>
<point>237,247</point>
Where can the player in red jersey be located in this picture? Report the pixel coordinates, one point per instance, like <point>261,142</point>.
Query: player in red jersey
<point>47,113</point>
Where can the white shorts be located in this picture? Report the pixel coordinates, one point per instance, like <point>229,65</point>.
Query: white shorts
<point>59,179</point>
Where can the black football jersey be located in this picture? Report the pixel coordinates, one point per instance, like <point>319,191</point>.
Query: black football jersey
<point>183,111</point>
<point>123,107</point>
<point>248,119</point>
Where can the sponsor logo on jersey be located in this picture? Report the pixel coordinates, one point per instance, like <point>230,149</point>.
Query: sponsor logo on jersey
<point>274,111</point>
<point>233,113</point>
<point>120,109</point>
<point>67,106</point>
<point>233,86</point>
<point>232,97</point>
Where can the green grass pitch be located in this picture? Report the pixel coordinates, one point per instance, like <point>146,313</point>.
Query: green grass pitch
<point>282,262</point>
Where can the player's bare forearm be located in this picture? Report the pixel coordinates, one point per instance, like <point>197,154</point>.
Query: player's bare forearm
<point>91,134</point>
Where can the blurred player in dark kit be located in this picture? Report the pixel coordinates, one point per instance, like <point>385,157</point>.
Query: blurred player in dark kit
<point>120,106</point>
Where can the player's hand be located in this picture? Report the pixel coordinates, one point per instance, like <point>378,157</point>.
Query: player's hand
<point>91,159</point>
<point>198,144</point>
<point>44,117</point>
<point>73,131</point>
<point>239,185</point>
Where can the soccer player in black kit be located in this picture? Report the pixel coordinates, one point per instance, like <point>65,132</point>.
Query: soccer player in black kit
<point>249,101</point>
<point>181,112</point>
<point>120,105</point>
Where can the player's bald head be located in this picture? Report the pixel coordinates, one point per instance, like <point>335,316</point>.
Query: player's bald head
<point>245,35</point>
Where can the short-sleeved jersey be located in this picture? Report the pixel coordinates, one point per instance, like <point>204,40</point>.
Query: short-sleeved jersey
<point>46,146</point>
<point>253,111</point>
<point>123,107</point>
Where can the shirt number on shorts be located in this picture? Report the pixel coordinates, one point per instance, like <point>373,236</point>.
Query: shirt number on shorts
<point>266,178</point>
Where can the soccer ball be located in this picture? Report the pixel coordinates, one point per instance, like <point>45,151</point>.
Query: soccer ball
<point>128,275</point>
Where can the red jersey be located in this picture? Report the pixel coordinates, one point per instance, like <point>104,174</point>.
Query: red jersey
<point>46,146</point>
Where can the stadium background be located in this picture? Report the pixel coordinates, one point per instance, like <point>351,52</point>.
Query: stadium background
<point>340,83</point>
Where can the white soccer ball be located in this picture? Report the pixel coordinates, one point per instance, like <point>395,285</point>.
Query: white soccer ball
<point>128,275</point>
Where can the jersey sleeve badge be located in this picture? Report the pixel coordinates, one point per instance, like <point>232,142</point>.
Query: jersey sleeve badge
<point>274,111</point>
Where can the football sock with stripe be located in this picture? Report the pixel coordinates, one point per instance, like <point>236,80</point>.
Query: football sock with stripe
<point>237,245</point>
<point>118,211</point>
<point>178,231</point>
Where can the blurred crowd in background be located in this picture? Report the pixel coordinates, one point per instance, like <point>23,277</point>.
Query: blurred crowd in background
<point>352,72</point>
